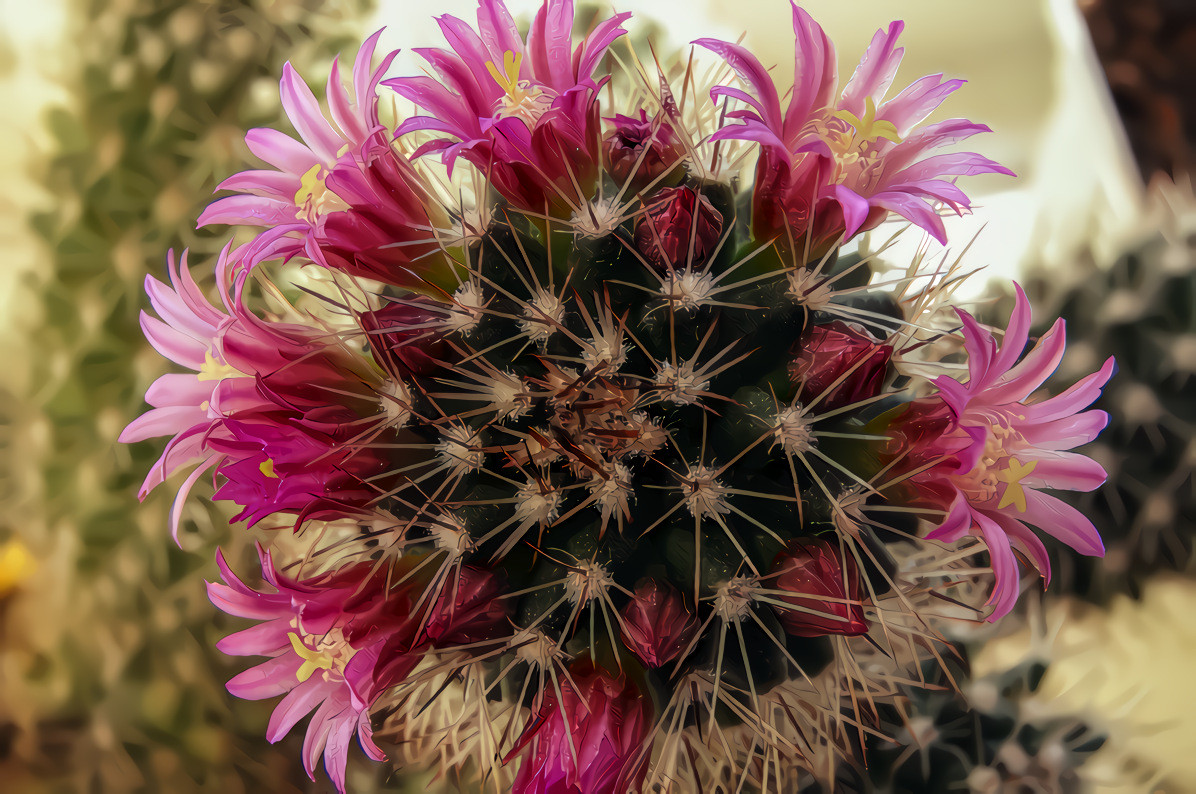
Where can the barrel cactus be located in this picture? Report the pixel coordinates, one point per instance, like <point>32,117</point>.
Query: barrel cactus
<point>593,461</point>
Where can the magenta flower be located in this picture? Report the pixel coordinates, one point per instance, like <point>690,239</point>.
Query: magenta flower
<point>832,165</point>
<point>603,724</point>
<point>340,196</point>
<point>188,406</point>
<point>256,397</point>
<point>1000,448</point>
<point>325,636</point>
<point>524,113</point>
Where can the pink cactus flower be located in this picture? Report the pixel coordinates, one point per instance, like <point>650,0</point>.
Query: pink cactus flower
<point>656,624</point>
<point>340,196</point>
<point>326,636</point>
<point>999,447</point>
<point>603,724</point>
<point>254,386</point>
<point>524,113</point>
<point>835,164</point>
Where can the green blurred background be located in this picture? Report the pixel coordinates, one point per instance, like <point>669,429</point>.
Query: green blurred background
<point>120,117</point>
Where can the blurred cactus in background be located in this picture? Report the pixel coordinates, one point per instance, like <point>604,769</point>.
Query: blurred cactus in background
<point>111,681</point>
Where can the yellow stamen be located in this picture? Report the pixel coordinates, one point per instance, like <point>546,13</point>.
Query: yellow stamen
<point>215,370</point>
<point>1015,494</point>
<point>267,468</point>
<point>311,186</point>
<point>312,660</point>
<point>508,78</point>
<point>869,128</point>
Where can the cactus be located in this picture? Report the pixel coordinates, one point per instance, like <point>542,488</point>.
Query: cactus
<point>589,462</point>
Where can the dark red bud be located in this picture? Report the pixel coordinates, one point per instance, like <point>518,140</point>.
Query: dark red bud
<point>469,609</point>
<point>407,337</point>
<point>827,353</point>
<point>657,625</point>
<point>814,571</point>
<point>680,228</point>
<point>640,150</point>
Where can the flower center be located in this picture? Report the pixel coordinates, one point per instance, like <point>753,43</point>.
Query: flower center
<point>520,99</point>
<point>217,369</point>
<point>998,471</point>
<point>313,199</point>
<point>328,652</point>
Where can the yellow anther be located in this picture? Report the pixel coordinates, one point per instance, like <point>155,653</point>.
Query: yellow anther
<point>1015,494</point>
<point>312,660</point>
<point>211,369</point>
<point>267,468</point>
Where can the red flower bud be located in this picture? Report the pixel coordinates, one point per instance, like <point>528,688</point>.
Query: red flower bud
<point>814,571</point>
<point>680,228</point>
<point>637,151</point>
<point>469,609</point>
<point>657,626</point>
<point>604,720</point>
<point>408,337</point>
<point>828,352</point>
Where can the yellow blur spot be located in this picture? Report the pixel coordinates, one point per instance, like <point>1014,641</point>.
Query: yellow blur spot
<point>1015,494</point>
<point>312,660</point>
<point>16,565</point>
<point>267,468</point>
<point>214,370</point>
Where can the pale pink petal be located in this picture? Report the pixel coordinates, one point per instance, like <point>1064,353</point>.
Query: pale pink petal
<point>917,101</point>
<point>876,71</point>
<point>1078,397</point>
<point>815,72</point>
<point>1063,522</point>
<point>1063,471</point>
<point>263,639</point>
<point>1007,578</point>
<point>295,706</point>
<point>304,112</point>
<point>280,150</point>
<point>269,679</point>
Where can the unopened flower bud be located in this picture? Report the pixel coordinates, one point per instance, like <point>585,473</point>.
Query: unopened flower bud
<point>407,337</point>
<point>657,626</point>
<point>640,150</point>
<point>469,609</point>
<point>831,351</point>
<point>826,588</point>
<point>681,228</point>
